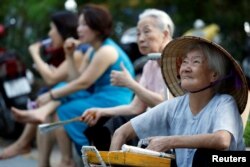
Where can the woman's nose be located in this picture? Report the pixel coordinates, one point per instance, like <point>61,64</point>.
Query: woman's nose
<point>186,67</point>
<point>140,38</point>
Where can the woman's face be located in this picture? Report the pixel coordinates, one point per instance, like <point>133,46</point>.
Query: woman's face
<point>57,39</point>
<point>85,33</point>
<point>149,37</point>
<point>194,72</point>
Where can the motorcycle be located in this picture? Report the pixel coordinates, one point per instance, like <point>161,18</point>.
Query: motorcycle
<point>210,32</point>
<point>15,87</point>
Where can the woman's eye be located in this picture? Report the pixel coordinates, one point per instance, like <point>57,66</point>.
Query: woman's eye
<point>184,61</point>
<point>146,31</point>
<point>197,61</point>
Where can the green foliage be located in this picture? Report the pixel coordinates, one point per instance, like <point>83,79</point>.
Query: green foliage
<point>32,21</point>
<point>247,134</point>
<point>33,18</point>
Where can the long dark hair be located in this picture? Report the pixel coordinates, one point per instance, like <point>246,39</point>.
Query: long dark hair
<point>66,23</point>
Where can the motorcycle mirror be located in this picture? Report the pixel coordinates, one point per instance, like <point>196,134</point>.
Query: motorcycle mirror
<point>247,28</point>
<point>129,36</point>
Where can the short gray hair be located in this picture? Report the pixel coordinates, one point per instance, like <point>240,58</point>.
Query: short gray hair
<point>164,20</point>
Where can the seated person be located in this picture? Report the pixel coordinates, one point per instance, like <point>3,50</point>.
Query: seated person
<point>92,86</point>
<point>212,93</point>
<point>62,26</point>
<point>155,29</point>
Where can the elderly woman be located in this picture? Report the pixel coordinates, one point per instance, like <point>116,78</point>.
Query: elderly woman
<point>154,31</point>
<point>212,94</point>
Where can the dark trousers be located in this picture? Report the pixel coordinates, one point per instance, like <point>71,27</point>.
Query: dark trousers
<point>100,135</point>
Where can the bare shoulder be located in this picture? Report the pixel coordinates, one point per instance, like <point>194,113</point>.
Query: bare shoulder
<point>109,52</point>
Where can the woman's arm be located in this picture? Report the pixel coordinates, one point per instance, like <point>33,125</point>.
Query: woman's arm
<point>121,136</point>
<point>219,140</point>
<point>123,78</point>
<point>75,59</point>
<point>75,65</point>
<point>91,116</point>
<point>103,58</point>
<point>134,108</point>
<point>147,96</point>
<point>50,75</point>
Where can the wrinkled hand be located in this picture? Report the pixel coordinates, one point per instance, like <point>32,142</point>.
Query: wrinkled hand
<point>69,46</point>
<point>91,116</point>
<point>159,143</point>
<point>121,78</point>
<point>34,49</point>
<point>43,99</point>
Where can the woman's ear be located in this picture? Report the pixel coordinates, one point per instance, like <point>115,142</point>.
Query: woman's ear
<point>166,33</point>
<point>214,76</point>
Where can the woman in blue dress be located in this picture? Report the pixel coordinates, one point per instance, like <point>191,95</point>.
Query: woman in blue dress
<point>91,87</point>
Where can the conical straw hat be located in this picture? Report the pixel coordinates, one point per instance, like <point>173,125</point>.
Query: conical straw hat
<point>172,59</point>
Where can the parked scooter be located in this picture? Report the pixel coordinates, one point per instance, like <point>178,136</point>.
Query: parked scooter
<point>210,32</point>
<point>15,88</point>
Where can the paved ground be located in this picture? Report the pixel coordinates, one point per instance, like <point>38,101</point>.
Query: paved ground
<point>30,159</point>
<point>26,160</point>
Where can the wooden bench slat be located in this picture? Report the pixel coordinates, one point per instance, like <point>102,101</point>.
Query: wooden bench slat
<point>128,159</point>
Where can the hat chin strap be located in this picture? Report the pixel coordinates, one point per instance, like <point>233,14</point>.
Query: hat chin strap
<point>213,83</point>
<point>209,86</point>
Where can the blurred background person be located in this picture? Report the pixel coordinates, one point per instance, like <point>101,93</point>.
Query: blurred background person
<point>62,26</point>
<point>90,88</point>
